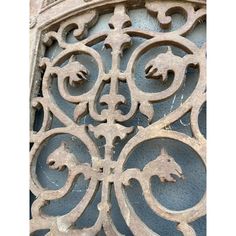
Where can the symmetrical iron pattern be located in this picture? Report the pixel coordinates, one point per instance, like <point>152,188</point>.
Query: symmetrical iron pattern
<point>104,170</point>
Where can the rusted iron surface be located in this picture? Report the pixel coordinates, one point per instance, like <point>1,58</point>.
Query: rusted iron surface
<point>104,169</point>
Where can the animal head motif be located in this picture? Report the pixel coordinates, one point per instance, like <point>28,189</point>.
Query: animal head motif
<point>160,66</point>
<point>61,158</point>
<point>74,71</point>
<point>165,167</point>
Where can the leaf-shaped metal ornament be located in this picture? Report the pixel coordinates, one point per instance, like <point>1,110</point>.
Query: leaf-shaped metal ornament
<point>80,110</point>
<point>146,108</point>
<point>117,40</point>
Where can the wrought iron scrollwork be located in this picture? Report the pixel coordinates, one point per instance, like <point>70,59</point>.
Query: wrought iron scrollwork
<point>67,70</point>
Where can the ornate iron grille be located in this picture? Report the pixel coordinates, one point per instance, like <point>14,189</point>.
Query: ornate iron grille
<point>103,118</point>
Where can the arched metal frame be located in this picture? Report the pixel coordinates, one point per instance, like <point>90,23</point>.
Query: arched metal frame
<point>53,22</point>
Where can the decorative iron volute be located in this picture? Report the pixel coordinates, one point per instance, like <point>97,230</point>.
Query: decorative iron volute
<point>94,112</point>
